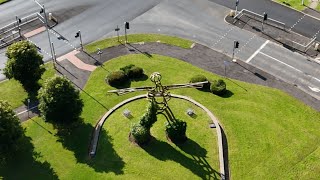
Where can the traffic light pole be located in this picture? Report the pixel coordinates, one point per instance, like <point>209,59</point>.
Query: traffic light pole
<point>80,40</point>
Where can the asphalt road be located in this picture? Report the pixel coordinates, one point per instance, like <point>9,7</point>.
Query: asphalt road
<point>198,20</point>
<point>94,18</point>
<point>307,26</point>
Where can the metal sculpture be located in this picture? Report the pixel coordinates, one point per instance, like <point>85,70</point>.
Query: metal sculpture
<point>160,93</point>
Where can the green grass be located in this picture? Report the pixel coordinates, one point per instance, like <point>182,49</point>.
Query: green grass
<point>318,7</point>
<point>3,1</point>
<point>270,134</point>
<point>135,38</point>
<point>12,91</point>
<point>296,4</point>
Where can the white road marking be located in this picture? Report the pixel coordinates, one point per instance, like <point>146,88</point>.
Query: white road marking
<point>297,22</point>
<point>26,110</point>
<point>314,89</point>
<point>280,62</point>
<point>257,51</point>
<point>224,35</point>
<point>242,47</point>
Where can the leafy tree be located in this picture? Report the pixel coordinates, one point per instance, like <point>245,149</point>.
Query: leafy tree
<point>24,64</point>
<point>10,130</point>
<point>59,101</point>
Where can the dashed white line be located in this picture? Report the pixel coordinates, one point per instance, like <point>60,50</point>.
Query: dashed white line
<point>246,43</point>
<point>224,35</point>
<point>257,51</point>
<point>297,22</point>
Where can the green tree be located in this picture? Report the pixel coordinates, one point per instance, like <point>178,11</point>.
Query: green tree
<point>10,130</point>
<point>59,101</point>
<point>24,64</point>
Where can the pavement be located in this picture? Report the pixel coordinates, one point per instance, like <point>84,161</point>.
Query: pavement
<point>281,13</point>
<point>199,55</point>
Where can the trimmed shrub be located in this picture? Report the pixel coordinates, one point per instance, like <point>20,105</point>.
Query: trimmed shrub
<point>176,131</point>
<point>149,118</point>
<point>200,78</point>
<point>135,72</point>
<point>218,87</point>
<point>140,133</point>
<point>127,69</point>
<point>116,78</point>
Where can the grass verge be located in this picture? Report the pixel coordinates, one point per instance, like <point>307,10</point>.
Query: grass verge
<point>3,1</point>
<point>12,91</point>
<point>296,4</point>
<point>267,131</point>
<point>134,38</point>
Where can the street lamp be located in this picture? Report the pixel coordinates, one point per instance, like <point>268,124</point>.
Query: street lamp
<point>78,34</point>
<point>54,56</point>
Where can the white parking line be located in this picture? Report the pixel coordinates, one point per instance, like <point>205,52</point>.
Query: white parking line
<point>257,51</point>
<point>281,62</point>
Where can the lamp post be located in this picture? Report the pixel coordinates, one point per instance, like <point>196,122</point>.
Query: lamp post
<point>54,56</point>
<point>18,24</point>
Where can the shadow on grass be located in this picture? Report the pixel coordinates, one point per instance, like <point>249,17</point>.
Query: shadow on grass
<point>197,164</point>
<point>77,139</point>
<point>23,165</point>
<point>227,94</point>
<point>144,77</point>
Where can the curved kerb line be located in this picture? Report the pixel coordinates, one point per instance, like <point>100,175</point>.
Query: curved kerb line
<point>96,133</point>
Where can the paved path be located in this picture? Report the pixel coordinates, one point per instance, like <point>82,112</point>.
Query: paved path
<point>199,55</point>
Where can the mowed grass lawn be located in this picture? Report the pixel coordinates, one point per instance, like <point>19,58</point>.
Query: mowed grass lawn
<point>13,92</point>
<point>270,134</point>
<point>135,38</point>
<point>296,4</point>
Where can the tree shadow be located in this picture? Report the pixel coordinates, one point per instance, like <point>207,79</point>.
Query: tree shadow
<point>76,138</point>
<point>227,94</point>
<point>23,164</point>
<point>144,77</point>
<point>126,84</point>
<point>197,164</point>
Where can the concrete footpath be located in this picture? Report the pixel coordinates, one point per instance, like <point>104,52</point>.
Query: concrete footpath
<point>79,70</point>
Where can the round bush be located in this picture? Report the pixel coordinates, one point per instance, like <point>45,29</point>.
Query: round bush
<point>200,78</point>
<point>135,72</point>
<point>176,131</point>
<point>127,68</point>
<point>140,133</point>
<point>218,87</point>
<point>116,78</point>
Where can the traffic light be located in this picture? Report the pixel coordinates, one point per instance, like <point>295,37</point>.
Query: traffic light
<point>126,24</point>
<point>236,44</point>
<point>19,20</point>
<point>41,11</point>
<point>265,16</point>
<point>77,35</point>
